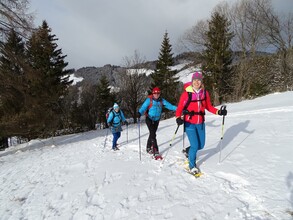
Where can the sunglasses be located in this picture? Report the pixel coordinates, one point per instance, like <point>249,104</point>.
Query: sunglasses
<point>156,93</point>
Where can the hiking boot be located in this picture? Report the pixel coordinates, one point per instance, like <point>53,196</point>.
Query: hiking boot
<point>115,148</point>
<point>157,154</point>
<point>194,171</point>
<point>149,150</point>
<point>155,150</point>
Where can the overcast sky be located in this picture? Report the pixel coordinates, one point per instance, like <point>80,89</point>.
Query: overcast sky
<point>100,32</point>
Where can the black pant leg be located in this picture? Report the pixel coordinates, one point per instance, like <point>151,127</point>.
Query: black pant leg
<point>153,127</point>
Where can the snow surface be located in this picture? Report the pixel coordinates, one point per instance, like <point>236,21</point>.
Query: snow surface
<point>75,79</point>
<point>79,177</point>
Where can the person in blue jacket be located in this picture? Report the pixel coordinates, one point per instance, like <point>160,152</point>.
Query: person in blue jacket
<point>115,119</point>
<point>152,107</point>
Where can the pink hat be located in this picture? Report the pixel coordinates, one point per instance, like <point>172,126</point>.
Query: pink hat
<point>197,75</point>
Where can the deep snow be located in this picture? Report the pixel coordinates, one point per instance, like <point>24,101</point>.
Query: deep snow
<point>79,177</point>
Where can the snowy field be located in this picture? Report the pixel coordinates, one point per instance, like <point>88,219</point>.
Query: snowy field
<point>79,177</point>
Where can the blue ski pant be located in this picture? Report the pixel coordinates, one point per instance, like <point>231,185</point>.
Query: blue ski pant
<point>196,136</point>
<point>116,136</point>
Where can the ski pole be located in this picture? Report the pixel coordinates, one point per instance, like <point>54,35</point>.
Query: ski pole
<point>174,136</point>
<point>127,132</point>
<point>138,125</point>
<point>223,107</point>
<point>183,136</point>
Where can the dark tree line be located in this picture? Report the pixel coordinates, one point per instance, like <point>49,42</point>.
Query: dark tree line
<point>33,84</point>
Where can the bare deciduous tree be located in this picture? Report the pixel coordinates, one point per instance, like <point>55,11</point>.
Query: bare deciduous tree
<point>278,32</point>
<point>133,84</point>
<point>248,39</point>
<point>14,15</point>
<point>194,38</point>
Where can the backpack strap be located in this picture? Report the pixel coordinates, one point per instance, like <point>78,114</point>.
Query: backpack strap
<point>188,102</point>
<point>151,104</point>
<point>118,114</point>
<point>192,113</point>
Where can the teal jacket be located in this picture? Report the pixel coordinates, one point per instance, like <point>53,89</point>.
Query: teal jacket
<point>155,111</point>
<point>116,119</point>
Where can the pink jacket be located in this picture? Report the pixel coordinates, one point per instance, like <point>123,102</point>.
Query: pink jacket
<point>200,102</point>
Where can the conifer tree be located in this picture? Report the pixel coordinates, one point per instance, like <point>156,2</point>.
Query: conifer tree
<point>163,77</point>
<point>48,81</point>
<point>104,98</point>
<point>11,86</point>
<point>11,74</point>
<point>218,58</point>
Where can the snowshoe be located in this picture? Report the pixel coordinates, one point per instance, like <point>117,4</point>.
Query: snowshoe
<point>195,171</point>
<point>115,148</point>
<point>157,156</point>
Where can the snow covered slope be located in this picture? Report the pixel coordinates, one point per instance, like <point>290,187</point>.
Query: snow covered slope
<point>79,177</point>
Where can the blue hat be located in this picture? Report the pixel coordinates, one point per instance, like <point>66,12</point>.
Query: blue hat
<point>115,106</point>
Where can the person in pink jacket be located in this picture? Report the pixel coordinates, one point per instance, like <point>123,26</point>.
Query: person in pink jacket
<point>191,111</point>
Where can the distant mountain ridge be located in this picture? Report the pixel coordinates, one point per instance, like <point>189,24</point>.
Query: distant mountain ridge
<point>92,75</point>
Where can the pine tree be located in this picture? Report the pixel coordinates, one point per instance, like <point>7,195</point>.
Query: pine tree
<point>104,98</point>
<point>163,77</point>
<point>218,58</point>
<point>11,85</point>
<point>48,81</point>
<point>11,74</point>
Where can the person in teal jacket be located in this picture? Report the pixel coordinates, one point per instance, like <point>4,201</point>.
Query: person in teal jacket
<point>152,108</point>
<point>115,119</point>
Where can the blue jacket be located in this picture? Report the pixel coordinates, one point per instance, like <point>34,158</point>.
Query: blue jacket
<point>155,111</point>
<point>116,118</point>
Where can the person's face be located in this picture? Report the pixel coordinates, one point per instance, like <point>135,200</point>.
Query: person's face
<point>116,109</point>
<point>156,95</point>
<point>196,83</point>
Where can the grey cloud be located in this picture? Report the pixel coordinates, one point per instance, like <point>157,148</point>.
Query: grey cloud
<point>99,32</point>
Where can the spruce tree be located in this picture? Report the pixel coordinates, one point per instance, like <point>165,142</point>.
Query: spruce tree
<point>48,81</point>
<point>105,100</point>
<point>163,77</point>
<point>11,86</point>
<point>218,58</point>
<point>12,74</point>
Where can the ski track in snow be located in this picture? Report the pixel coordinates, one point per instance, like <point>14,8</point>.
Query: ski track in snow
<point>77,177</point>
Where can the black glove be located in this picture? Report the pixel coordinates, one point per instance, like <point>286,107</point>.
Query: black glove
<point>139,115</point>
<point>222,111</point>
<point>179,121</point>
<point>126,123</point>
